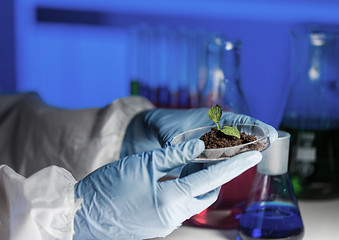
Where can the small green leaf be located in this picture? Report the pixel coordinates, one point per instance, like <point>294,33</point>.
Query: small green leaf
<point>231,131</point>
<point>215,114</point>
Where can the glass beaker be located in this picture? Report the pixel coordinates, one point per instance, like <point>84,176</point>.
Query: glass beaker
<point>272,210</point>
<point>223,87</point>
<point>312,113</point>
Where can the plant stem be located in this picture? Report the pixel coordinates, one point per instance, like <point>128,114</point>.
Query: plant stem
<point>218,126</point>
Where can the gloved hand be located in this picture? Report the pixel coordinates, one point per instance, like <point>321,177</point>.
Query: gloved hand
<point>125,200</point>
<point>156,128</point>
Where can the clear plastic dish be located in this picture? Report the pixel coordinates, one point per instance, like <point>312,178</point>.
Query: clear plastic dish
<point>219,154</point>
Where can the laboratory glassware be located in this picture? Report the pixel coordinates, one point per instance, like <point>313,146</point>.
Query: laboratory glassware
<point>194,60</point>
<point>219,154</point>
<point>165,65</point>
<point>272,210</point>
<point>132,65</point>
<point>223,83</point>
<point>173,65</point>
<point>138,59</point>
<point>159,74</point>
<point>312,112</point>
<point>223,86</point>
<point>182,67</point>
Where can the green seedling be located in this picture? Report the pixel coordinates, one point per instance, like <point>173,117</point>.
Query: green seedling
<point>215,115</point>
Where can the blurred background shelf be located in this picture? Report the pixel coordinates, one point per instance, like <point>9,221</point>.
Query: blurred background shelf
<point>285,11</point>
<point>74,53</point>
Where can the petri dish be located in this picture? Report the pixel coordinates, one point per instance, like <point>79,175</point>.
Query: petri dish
<point>261,143</point>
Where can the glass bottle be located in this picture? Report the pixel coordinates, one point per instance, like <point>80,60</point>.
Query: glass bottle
<point>272,210</point>
<point>223,87</point>
<point>312,113</point>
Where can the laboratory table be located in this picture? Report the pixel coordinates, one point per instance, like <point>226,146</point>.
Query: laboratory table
<point>321,221</point>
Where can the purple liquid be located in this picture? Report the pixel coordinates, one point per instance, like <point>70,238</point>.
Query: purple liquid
<point>271,220</point>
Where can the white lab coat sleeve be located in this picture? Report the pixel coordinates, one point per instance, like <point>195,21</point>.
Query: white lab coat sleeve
<point>35,135</point>
<point>39,207</point>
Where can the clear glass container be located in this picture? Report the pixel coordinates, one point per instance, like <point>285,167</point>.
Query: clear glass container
<point>272,210</point>
<point>165,64</point>
<point>223,83</point>
<point>138,63</point>
<point>159,74</point>
<point>219,154</point>
<point>220,83</point>
<point>312,112</point>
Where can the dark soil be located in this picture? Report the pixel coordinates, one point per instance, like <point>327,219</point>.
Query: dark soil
<point>216,139</point>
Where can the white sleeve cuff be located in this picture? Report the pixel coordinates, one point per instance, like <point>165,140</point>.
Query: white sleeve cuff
<point>39,207</point>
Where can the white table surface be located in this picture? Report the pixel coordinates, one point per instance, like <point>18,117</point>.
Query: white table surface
<point>320,218</point>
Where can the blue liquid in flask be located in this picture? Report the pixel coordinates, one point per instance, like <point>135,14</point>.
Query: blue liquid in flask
<point>271,220</point>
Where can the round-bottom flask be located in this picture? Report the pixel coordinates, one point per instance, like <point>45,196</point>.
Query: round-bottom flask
<point>272,210</point>
<point>312,114</point>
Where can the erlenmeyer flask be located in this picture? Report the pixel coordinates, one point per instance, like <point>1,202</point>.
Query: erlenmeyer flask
<point>223,87</point>
<point>223,83</point>
<point>272,210</point>
<point>312,113</point>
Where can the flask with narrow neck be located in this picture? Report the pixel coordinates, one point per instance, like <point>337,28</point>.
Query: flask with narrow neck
<point>222,86</point>
<point>272,210</point>
<point>312,113</point>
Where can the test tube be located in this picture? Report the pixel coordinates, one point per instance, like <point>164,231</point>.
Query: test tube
<point>173,73</point>
<point>161,66</point>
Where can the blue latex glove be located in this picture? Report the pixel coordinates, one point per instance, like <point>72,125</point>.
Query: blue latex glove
<point>125,200</point>
<point>156,128</point>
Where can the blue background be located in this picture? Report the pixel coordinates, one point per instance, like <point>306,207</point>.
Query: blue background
<point>82,61</point>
